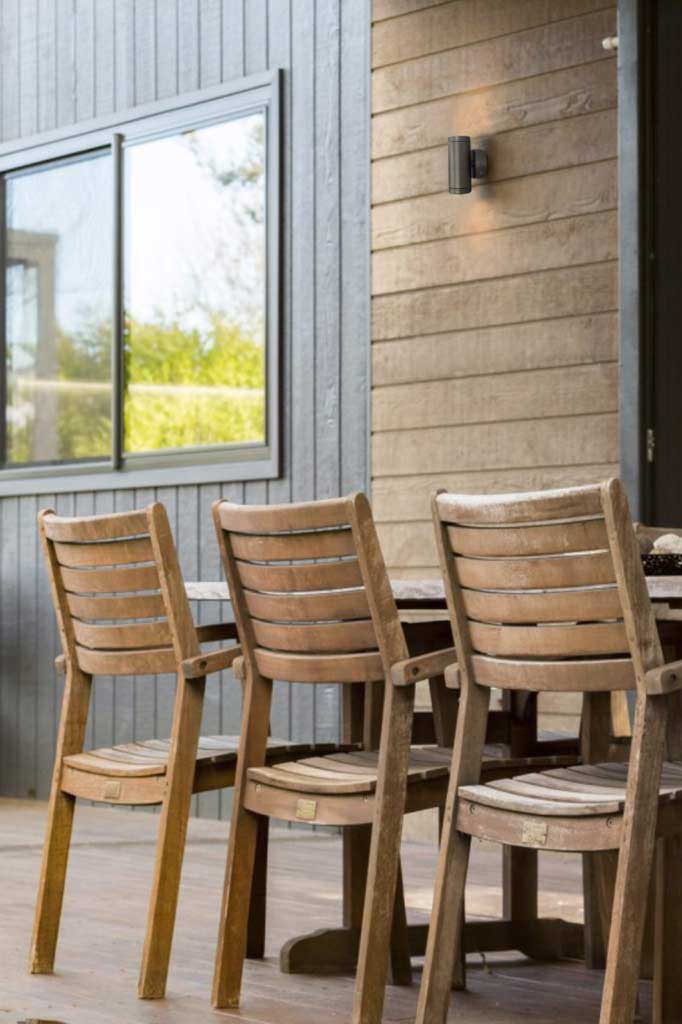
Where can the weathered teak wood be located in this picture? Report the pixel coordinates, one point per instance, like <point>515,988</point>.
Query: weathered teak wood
<point>429,593</point>
<point>105,572</point>
<point>335,621</point>
<point>597,807</point>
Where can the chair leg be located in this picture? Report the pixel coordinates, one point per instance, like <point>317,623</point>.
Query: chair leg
<point>245,829</point>
<point>634,865</point>
<point>232,940</point>
<point>519,883</point>
<point>444,953</point>
<point>384,858</point>
<point>52,879</point>
<point>667,993</point>
<point>74,716</point>
<point>596,917</point>
<point>401,967</point>
<point>605,869</point>
<point>170,848</point>
<point>255,942</point>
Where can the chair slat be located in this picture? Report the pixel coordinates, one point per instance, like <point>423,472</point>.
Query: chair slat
<point>553,641</point>
<point>132,635</point>
<point>320,576</point>
<point>320,606</point>
<point>118,552</point>
<point>519,803</point>
<point>293,546</point>
<point>535,573</point>
<point>550,539</point>
<point>110,581</point>
<point>127,663</point>
<point>332,668</point>
<point>146,606</point>
<point>94,528</point>
<point>585,605</point>
<point>579,676</point>
<point>509,509</point>
<point>279,518</point>
<point>333,636</point>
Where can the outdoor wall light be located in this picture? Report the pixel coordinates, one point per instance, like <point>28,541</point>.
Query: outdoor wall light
<point>464,163</point>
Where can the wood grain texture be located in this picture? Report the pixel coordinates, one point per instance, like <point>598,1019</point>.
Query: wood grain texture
<point>536,394</point>
<point>557,95</point>
<point>590,238</point>
<point>552,195</point>
<point>566,142</point>
<point>620,806</point>
<point>569,341</point>
<point>514,55</point>
<point>494,315</point>
<point>62,62</point>
<point>507,300</point>
<point>400,501</point>
<point>299,900</point>
<point>458,24</point>
<point>561,441</point>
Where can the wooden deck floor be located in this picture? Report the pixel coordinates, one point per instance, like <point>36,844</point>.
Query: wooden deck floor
<point>105,909</point>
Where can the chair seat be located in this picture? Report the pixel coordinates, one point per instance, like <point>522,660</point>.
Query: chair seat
<point>150,757</point>
<point>353,772</point>
<point>578,791</point>
<point>356,771</point>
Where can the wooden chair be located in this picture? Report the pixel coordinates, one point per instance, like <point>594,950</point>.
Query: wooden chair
<point>313,604</point>
<point>546,592</point>
<point>122,610</point>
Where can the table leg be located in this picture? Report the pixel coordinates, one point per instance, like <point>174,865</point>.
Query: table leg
<point>668,932</point>
<point>598,880</point>
<point>334,950</point>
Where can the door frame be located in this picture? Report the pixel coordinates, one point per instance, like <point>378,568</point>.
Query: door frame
<point>635,225</point>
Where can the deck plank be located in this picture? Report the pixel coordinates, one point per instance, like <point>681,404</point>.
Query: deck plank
<point>110,870</point>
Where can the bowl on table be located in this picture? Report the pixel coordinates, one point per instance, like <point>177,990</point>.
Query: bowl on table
<point>662,564</point>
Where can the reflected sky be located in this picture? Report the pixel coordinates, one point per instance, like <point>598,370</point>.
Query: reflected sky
<point>59,274</point>
<point>194,296</point>
<point>68,208</point>
<point>194,226</point>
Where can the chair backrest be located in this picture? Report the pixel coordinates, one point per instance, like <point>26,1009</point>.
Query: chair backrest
<point>546,590</point>
<point>311,596</point>
<point>118,592</point>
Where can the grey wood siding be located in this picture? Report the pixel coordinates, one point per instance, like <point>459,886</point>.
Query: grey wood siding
<point>65,61</point>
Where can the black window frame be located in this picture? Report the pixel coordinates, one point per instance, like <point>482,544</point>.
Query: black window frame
<point>209,464</point>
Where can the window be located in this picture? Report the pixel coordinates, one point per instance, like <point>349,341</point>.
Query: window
<point>140,299</point>
<point>58,313</point>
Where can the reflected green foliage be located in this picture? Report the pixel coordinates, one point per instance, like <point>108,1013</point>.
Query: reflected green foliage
<point>191,388</point>
<point>75,396</point>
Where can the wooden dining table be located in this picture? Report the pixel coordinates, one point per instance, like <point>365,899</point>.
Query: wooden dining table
<point>421,604</point>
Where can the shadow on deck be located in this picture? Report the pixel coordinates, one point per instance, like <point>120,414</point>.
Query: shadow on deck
<point>105,907</point>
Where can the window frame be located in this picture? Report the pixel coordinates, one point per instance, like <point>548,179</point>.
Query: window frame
<point>206,464</point>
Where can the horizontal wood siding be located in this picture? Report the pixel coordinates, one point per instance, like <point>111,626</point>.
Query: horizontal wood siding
<point>66,62</point>
<point>494,315</point>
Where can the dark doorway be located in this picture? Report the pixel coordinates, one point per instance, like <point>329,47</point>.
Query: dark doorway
<point>661,260</point>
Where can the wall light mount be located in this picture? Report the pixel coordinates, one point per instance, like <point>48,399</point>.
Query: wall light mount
<point>464,163</point>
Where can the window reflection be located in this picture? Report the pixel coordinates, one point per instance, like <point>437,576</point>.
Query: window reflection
<point>58,280</point>
<point>195,288</point>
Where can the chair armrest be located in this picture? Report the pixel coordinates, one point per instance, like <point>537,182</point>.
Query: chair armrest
<point>452,677</point>
<point>215,661</point>
<point>664,679</point>
<point>424,666</point>
<point>217,631</point>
